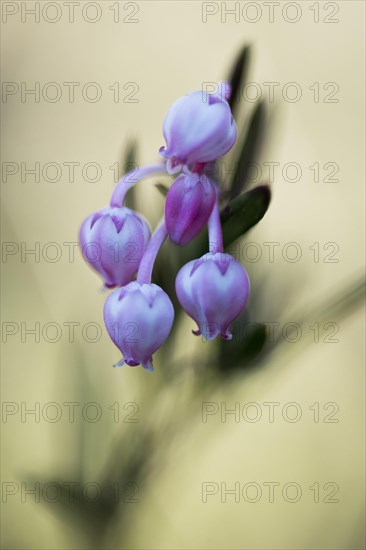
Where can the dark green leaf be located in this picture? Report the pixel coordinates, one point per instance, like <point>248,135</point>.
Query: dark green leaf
<point>238,76</point>
<point>249,150</point>
<point>130,158</point>
<point>253,343</point>
<point>244,212</point>
<point>162,188</point>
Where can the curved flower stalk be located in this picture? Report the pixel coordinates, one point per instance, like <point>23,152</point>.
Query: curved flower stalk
<point>213,290</point>
<point>131,178</point>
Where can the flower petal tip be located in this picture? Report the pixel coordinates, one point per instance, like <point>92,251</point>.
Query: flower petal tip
<point>226,335</point>
<point>119,364</point>
<point>148,365</point>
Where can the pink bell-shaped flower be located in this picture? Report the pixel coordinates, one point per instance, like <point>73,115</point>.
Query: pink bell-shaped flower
<point>213,291</point>
<point>139,318</point>
<point>188,205</point>
<point>198,128</point>
<point>113,242</point>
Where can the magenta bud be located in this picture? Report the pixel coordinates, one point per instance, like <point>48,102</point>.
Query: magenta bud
<point>198,128</point>
<point>213,291</point>
<point>113,242</point>
<point>188,206</point>
<point>139,318</point>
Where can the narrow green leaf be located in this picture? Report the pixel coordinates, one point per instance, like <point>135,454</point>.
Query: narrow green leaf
<point>162,188</point>
<point>129,159</point>
<point>249,149</point>
<point>129,162</point>
<point>238,76</point>
<point>243,212</point>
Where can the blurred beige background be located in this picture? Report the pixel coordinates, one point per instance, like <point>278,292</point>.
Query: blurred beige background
<point>168,52</point>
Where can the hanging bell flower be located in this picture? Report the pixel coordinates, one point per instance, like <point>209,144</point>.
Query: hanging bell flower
<point>113,242</point>
<point>188,206</point>
<point>213,291</point>
<point>198,128</point>
<point>139,318</point>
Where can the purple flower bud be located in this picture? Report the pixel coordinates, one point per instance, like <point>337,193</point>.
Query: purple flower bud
<point>139,318</point>
<point>198,128</point>
<point>113,242</point>
<point>213,291</point>
<point>188,206</point>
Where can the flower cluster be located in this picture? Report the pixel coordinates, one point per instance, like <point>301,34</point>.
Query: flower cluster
<point>213,290</point>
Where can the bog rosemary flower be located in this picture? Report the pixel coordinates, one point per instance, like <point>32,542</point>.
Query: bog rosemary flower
<point>139,316</point>
<point>214,289</point>
<point>188,206</point>
<point>113,241</point>
<point>198,128</point>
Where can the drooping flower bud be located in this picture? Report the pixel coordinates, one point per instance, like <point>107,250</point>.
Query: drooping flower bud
<point>188,205</point>
<point>213,291</point>
<point>113,242</point>
<point>139,318</point>
<point>198,128</point>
